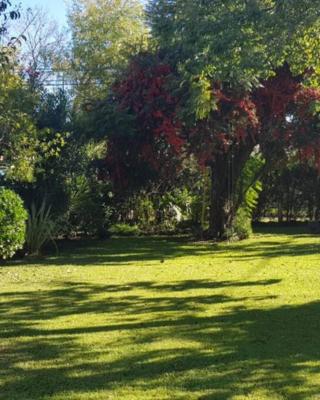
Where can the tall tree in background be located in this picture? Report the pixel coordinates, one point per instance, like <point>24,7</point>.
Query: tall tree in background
<point>17,129</point>
<point>43,50</point>
<point>105,33</point>
<point>18,136</point>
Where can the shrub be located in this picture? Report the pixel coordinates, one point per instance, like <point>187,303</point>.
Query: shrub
<point>13,218</point>
<point>40,228</point>
<point>124,230</point>
<point>88,214</point>
<point>243,224</point>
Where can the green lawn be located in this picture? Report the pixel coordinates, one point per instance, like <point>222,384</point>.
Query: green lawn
<point>163,319</point>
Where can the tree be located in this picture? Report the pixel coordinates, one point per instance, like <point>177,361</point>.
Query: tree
<point>18,137</point>
<point>104,35</point>
<point>140,118</point>
<point>237,41</point>
<point>43,49</point>
<point>281,114</point>
<point>224,51</point>
<point>18,132</point>
<point>57,153</point>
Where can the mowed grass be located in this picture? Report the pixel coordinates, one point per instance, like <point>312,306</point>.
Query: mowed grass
<point>157,318</point>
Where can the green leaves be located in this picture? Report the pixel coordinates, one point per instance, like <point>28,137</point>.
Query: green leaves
<point>40,228</point>
<point>12,223</point>
<point>250,185</point>
<point>18,135</point>
<point>202,99</point>
<point>105,34</point>
<point>243,41</point>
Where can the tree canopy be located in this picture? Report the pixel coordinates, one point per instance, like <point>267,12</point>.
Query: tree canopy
<point>105,34</point>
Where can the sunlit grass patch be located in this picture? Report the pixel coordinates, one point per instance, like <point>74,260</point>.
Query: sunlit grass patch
<point>164,318</point>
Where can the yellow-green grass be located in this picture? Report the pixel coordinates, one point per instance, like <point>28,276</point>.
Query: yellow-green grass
<point>163,318</point>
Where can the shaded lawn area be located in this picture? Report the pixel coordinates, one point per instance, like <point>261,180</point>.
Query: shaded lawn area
<point>163,318</point>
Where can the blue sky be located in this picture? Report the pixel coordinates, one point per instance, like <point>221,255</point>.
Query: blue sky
<point>56,8</point>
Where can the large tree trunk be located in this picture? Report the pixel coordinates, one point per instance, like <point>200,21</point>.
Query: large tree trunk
<point>226,171</point>
<point>221,202</point>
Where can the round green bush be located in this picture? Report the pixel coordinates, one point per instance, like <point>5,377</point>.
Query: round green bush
<point>13,218</point>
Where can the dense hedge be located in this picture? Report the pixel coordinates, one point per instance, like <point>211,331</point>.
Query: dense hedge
<point>13,218</point>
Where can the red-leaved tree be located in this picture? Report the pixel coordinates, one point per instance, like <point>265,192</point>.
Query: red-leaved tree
<point>279,116</point>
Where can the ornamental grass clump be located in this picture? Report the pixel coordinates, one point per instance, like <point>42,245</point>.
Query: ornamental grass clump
<point>41,228</point>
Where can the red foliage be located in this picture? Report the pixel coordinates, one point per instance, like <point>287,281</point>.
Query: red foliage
<point>235,121</point>
<point>146,93</point>
<point>307,126</point>
<point>285,108</point>
<point>276,95</point>
<point>281,110</point>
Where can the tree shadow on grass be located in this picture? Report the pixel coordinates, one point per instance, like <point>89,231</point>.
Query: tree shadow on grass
<point>214,355</point>
<point>125,251</point>
<point>269,249</point>
<point>293,229</point>
<point>81,298</point>
<point>120,251</point>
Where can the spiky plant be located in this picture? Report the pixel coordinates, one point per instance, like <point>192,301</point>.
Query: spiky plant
<point>41,228</point>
